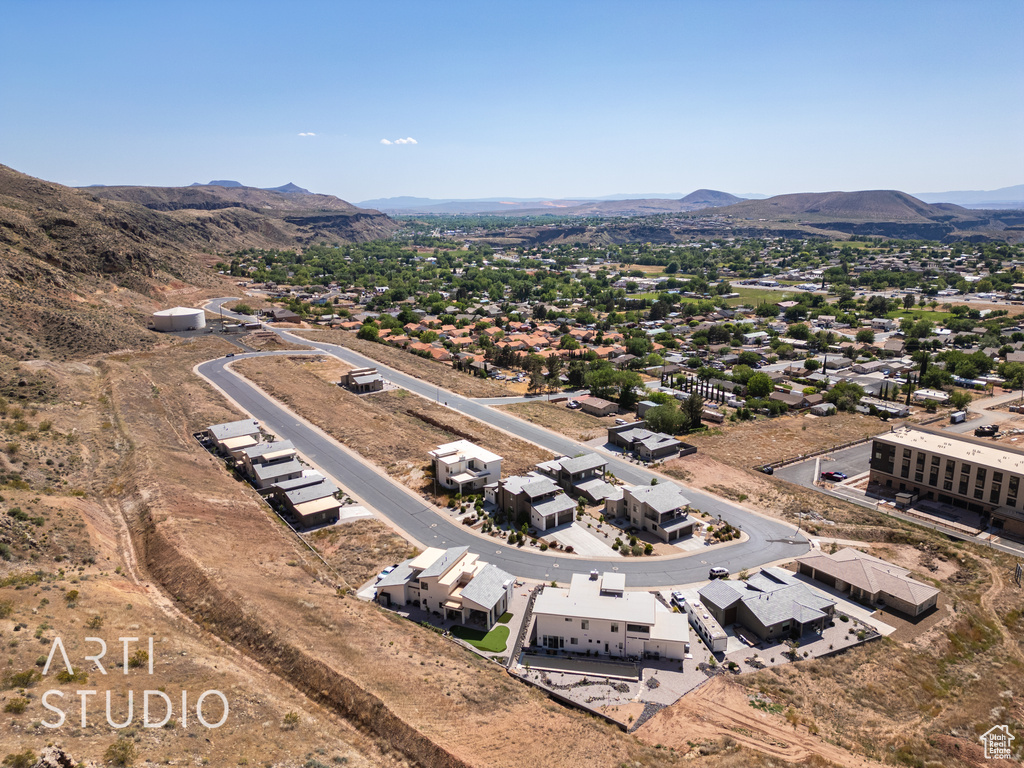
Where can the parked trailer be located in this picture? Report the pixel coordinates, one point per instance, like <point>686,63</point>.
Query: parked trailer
<point>958,417</point>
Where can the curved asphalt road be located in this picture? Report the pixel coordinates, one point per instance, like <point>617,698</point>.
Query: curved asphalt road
<point>769,540</point>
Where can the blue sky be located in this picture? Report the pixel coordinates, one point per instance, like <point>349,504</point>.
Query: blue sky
<point>516,99</point>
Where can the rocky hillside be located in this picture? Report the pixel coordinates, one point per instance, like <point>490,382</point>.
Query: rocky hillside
<point>82,269</point>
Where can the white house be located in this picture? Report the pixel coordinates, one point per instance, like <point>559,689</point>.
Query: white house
<point>595,614</point>
<point>452,583</point>
<point>464,466</point>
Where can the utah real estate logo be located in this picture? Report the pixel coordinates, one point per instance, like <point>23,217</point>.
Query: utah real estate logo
<point>997,741</point>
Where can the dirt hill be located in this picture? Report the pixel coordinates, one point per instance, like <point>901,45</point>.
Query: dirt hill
<point>710,198</point>
<point>84,268</point>
<point>879,205</point>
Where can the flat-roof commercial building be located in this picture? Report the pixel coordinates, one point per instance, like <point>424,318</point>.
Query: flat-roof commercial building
<point>596,615</point>
<point>979,475</point>
<point>464,466</point>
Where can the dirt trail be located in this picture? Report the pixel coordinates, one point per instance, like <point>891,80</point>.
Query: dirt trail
<point>720,708</point>
<point>988,603</point>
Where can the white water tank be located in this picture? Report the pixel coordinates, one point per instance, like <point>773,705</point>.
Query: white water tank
<point>179,319</point>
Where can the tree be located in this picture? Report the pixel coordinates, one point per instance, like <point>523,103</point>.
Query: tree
<point>811,364</point>
<point>554,367</point>
<point>908,301</point>
<point>760,385</point>
<point>369,332</point>
<point>693,407</point>
<point>741,373</point>
<point>960,399</point>
<point>866,336</point>
<point>845,395</point>
<point>667,418</point>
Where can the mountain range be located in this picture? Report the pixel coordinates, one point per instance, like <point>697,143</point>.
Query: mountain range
<point>646,204</point>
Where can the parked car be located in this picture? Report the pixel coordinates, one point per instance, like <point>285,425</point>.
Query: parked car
<point>572,404</point>
<point>678,599</point>
<point>718,572</point>
<point>386,571</point>
<point>768,469</point>
<point>833,477</point>
<point>986,430</point>
<point>620,422</point>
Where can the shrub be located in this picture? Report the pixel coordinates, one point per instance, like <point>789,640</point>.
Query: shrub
<point>648,549</point>
<point>71,597</point>
<point>16,705</point>
<point>290,721</point>
<point>122,752</point>
<point>24,759</point>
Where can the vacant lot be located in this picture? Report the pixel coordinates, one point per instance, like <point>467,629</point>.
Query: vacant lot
<point>358,550</point>
<point>555,416</point>
<point>393,429</point>
<point>753,443</point>
<point>429,370</point>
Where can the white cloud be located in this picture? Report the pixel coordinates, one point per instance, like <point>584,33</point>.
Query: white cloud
<point>409,140</point>
<point>384,141</point>
<point>307,134</point>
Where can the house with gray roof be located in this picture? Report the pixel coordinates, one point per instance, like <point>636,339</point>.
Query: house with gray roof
<point>536,498</point>
<point>580,475</point>
<point>661,509</point>
<point>451,583</point>
<point>234,436</point>
<point>648,445</point>
<point>773,604</point>
<point>309,504</point>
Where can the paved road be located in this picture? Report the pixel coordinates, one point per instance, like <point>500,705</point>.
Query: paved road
<point>770,540</point>
<point>850,461</point>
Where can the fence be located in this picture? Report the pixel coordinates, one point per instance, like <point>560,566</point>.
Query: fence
<point>812,454</point>
<point>521,639</point>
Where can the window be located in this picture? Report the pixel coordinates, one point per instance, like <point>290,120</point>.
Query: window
<point>935,461</point>
<point>615,628</point>
<point>979,479</point>
<point>906,453</point>
<point>573,641</point>
<point>947,485</point>
<point>918,477</point>
<point>979,493</point>
<point>584,624</point>
<point>568,619</point>
<point>995,493</point>
<point>1014,486</point>
<point>997,477</point>
<point>639,629</point>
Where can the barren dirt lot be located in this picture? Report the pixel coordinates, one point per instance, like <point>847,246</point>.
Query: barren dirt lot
<point>66,539</point>
<point>751,443</point>
<point>555,416</point>
<point>393,429</point>
<point>428,370</point>
<point>235,571</point>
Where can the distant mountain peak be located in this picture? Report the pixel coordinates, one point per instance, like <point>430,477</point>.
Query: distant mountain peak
<point>288,188</point>
<point>218,183</point>
<point>229,184</point>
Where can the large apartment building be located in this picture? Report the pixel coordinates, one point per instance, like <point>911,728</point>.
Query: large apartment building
<point>974,474</point>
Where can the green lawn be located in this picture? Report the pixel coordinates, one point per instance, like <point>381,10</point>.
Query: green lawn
<point>505,618</point>
<point>937,316</point>
<point>755,296</point>
<point>494,641</point>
